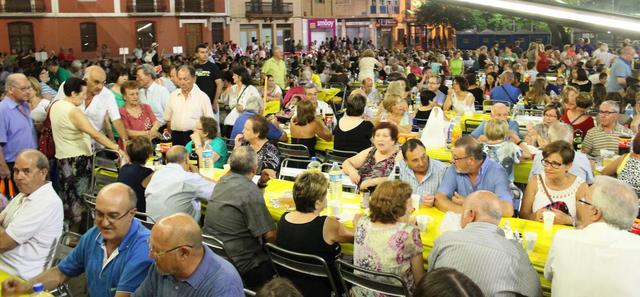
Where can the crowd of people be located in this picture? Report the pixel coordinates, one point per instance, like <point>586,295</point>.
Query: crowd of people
<point>231,107</point>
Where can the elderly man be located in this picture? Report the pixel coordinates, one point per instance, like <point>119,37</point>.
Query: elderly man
<point>16,124</point>
<point>238,216</point>
<point>600,257</point>
<point>186,105</point>
<point>174,188</point>
<point>506,92</point>
<point>433,85</point>
<point>605,135</point>
<point>256,106</point>
<point>151,92</point>
<point>184,266</point>
<point>311,93</point>
<point>499,266</point>
<point>276,67</point>
<point>419,171</point>
<point>209,77</point>
<point>499,111</point>
<point>472,171</point>
<point>580,167</point>
<point>32,221</point>
<point>114,254</point>
<point>620,70</point>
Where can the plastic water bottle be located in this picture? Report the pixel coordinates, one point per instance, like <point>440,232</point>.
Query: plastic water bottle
<point>38,291</point>
<point>314,165</point>
<point>335,182</point>
<point>450,133</point>
<point>207,156</point>
<point>165,141</point>
<point>629,110</point>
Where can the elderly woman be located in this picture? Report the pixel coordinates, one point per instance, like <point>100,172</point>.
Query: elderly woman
<point>72,133</point>
<point>138,118</point>
<point>459,99</point>
<point>385,241</point>
<point>554,189</point>
<point>254,134</point>
<point>322,234</point>
<point>500,149</point>
<point>396,111</point>
<point>627,166</point>
<point>305,126</point>
<point>206,133</point>
<point>353,132</point>
<point>367,64</point>
<point>37,104</point>
<point>576,110</point>
<point>135,174</point>
<point>538,135</point>
<point>240,92</point>
<point>373,166</point>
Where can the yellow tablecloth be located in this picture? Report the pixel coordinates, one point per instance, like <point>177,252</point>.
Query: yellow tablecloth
<point>321,144</point>
<point>351,206</point>
<point>3,276</point>
<point>520,173</point>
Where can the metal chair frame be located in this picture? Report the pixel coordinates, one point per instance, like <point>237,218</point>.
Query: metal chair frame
<point>339,156</point>
<point>347,275</point>
<point>290,150</point>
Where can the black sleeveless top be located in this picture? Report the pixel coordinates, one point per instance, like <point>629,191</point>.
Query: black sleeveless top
<point>310,143</point>
<point>356,140</point>
<point>307,238</point>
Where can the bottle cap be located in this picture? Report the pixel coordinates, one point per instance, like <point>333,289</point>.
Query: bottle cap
<point>38,287</point>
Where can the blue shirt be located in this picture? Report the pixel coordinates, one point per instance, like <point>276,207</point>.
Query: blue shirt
<point>214,277</point>
<point>479,131</point>
<point>16,129</point>
<point>440,97</point>
<point>620,69</point>
<point>274,133</point>
<point>492,178</point>
<point>123,273</point>
<point>511,95</point>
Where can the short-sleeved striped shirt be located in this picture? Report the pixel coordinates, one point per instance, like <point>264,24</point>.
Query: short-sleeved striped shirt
<point>597,139</point>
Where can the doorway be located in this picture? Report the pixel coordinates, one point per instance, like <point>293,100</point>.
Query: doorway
<point>194,37</point>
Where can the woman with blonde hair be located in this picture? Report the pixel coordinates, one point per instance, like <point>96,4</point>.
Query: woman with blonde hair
<point>396,111</point>
<point>503,151</point>
<point>367,64</point>
<point>37,104</point>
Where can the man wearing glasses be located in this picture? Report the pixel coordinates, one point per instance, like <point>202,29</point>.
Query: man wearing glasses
<point>600,258</point>
<point>114,254</point>
<point>183,266</point>
<point>16,124</point>
<point>605,135</point>
<point>472,171</point>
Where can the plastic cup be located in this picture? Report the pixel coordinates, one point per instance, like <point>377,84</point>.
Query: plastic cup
<point>548,217</point>
<point>335,206</point>
<point>423,221</point>
<point>530,239</point>
<point>415,201</point>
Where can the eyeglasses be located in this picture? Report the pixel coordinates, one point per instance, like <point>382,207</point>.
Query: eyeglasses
<point>548,115</point>
<point>158,254</point>
<point>455,159</point>
<point>606,113</point>
<point>584,202</point>
<point>553,164</point>
<point>111,217</point>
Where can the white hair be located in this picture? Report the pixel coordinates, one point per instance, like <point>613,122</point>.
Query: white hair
<point>616,199</point>
<point>560,131</point>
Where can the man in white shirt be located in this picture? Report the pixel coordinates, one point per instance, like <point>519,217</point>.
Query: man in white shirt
<point>32,222</point>
<point>600,258</point>
<point>151,92</point>
<point>175,189</point>
<point>186,105</point>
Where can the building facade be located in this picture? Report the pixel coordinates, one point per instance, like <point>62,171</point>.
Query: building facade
<point>87,25</point>
<point>371,20</point>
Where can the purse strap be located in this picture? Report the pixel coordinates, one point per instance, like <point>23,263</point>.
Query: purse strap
<point>544,188</point>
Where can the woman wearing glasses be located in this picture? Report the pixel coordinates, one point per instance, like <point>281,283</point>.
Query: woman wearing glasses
<point>555,189</point>
<point>538,135</point>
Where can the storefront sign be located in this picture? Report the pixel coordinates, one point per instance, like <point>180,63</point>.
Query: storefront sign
<point>320,29</point>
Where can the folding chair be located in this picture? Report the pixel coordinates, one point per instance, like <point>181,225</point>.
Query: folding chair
<point>290,168</point>
<point>216,245</point>
<point>299,263</point>
<point>393,285</point>
<point>90,204</point>
<point>517,199</point>
<point>61,249</point>
<point>249,293</point>
<point>470,125</point>
<point>230,145</point>
<point>339,156</point>
<point>288,150</point>
<point>104,170</point>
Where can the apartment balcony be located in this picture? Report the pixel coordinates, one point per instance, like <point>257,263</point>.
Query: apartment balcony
<point>268,10</point>
<point>194,6</point>
<point>147,7</point>
<point>22,6</point>
<point>384,9</point>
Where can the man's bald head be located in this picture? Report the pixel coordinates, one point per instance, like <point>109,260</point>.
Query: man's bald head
<point>18,87</point>
<point>499,111</point>
<point>481,206</point>
<point>118,194</point>
<point>178,229</point>
<point>94,71</point>
<point>177,154</point>
<point>95,78</point>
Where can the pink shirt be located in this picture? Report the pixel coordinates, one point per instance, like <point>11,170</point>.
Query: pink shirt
<point>142,123</point>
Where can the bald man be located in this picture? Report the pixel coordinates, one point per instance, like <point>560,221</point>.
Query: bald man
<point>276,67</point>
<point>16,124</point>
<point>175,188</point>
<point>31,223</point>
<point>114,254</point>
<point>499,266</point>
<point>184,266</point>
<point>100,102</point>
<point>501,112</point>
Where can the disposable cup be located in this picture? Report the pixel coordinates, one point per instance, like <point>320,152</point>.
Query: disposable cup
<point>548,217</point>
<point>530,239</point>
<point>335,207</point>
<point>415,201</point>
<point>423,221</point>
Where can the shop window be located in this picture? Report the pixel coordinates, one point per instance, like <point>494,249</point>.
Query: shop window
<point>21,36</point>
